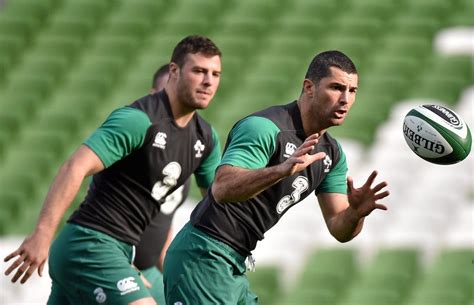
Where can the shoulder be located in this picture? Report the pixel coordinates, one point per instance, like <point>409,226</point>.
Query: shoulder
<point>256,124</point>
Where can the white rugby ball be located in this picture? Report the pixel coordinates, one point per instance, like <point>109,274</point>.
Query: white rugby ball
<point>437,134</point>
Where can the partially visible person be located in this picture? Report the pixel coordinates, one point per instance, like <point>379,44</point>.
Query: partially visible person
<point>156,238</point>
<point>272,160</point>
<point>141,154</point>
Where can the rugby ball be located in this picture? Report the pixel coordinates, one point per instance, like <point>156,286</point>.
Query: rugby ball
<point>437,134</point>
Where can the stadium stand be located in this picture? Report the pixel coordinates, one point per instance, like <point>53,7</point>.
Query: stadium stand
<point>65,64</point>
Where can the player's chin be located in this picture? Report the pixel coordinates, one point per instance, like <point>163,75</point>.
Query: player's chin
<point>337,121</point>
<point>201,103</point>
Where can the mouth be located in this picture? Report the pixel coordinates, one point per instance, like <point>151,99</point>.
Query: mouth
<point>203,92</point>
<point>340,113</point>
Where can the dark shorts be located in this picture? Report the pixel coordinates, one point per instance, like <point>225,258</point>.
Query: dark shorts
<point>90,267</point>
<point>199,269</point>
<point>154,276</point>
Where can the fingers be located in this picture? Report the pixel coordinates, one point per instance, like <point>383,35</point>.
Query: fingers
<point>318,156</point>
<point>381,195</point>
<point>15,265</point>
<point>380,186</point>
<point>350,184</point>
<point>31,269</point>
<point>381,207</point>
<point>12,255</point>
<point>27,269</point>
<point>40,269</point>
<point>371,178</point>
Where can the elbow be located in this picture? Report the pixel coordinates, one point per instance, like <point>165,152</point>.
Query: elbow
<point>342,239</point>
<point>217,193</point>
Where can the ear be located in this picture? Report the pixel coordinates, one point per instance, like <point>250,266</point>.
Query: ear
<point>174,70</point>
<point>308,87</point>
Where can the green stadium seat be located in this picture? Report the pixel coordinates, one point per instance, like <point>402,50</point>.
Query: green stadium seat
<point>375,296</point>
<point>242,26</point>
<point>236,46</point>
<point>354,26</point>
<point>90,10</point>
<point>308,9</point>
<point>147,9</point>
<point>415,25</point>
<point>447,281</point>
<point>294,26</point>
<point>43,65</point>
<point>36,11</point>
<point>402,45</point>
<point>57,45</point>
<point>132,27</point>
<point>70,26</point>
<point>293,46</point>
<point>460,18</point>
<point>259,9</point>
<point>402,66</point>
<point>372,8</point>
<point>179,26</point>
<point>116,47</point>
<point>40,85</point>
<point>434,8</point>
<point>265,283</point>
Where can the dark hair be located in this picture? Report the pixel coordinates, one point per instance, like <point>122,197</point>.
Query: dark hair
<point>162,71</point>
<point>192,45</point>
<point>319,67</point>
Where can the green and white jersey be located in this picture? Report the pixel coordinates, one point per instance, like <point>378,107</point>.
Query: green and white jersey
<point>146,158</point>
<point>265,139</point>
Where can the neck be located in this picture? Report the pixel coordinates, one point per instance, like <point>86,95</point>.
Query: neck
<point>181,114</point>
<point>311,124</point>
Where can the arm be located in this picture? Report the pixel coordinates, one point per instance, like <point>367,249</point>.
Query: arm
<point>237,184</point>
<point>161,259</point>
<point>33,252</point>
<point>344,214</point>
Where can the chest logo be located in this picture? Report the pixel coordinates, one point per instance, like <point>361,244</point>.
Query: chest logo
<point>160,140</point>
<point>327,162</point>
<point>199,147</point>
<point>300,185</point>
<point>289,149</point>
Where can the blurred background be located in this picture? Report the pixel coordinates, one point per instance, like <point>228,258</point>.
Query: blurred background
<point>66,64</point>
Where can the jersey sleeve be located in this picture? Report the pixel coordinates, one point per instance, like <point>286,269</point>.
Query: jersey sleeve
<point>205,173</point>
<point>251,143</point>
<point>336,180</point>
<point>122,132</point>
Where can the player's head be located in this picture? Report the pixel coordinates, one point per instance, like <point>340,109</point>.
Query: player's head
<point>195,70</point>
<point>192,45</point>
<point>330,87</point>
<point>160,78</point>
<point>321,64</point>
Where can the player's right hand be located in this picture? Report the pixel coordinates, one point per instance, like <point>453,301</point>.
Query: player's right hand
<point>32,255</point>
<point>301,158</point>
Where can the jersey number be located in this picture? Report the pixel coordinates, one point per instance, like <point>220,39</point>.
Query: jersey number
<point>171,171</point>
<point>300,185</point>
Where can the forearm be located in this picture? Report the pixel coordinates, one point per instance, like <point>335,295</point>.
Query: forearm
<point>60,196</point>
<point>237,184</point>
<point>345,225</point>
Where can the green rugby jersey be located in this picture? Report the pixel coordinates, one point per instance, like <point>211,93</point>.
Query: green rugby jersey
<point>265,139</point>
<point>146,158</point>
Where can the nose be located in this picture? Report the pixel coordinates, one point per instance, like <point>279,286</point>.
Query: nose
<point>208,79</point>
<point>344,97</point>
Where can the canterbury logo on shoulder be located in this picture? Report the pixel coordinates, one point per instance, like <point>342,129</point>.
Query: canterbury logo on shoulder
<point>127,285</point>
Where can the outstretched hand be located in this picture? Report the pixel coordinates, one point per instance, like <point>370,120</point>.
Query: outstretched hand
<point>32,255</point>
<point>364,200</point>
<point>301,158</point>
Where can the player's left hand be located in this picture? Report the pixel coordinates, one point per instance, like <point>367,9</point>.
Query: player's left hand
<point>364,200</point>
